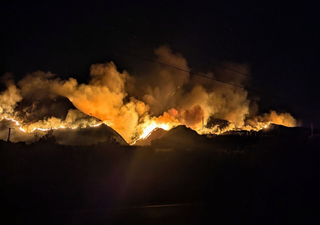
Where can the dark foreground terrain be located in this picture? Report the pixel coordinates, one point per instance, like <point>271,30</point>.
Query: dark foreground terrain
<point>264,179</point>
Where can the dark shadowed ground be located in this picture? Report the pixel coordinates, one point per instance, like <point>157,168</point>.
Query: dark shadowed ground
<point>269,178</point>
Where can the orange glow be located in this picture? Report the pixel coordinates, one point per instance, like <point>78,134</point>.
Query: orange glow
<point>146,127</point>
<point>32,127</point>
<point>165,100</point>
<point>96,125</point>
<point>151,127</point>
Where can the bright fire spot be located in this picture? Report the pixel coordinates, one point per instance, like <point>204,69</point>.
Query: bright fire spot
<point>96,125</point>
<point>27,130</point>
<point>267,125</point>
<point>151,127</point>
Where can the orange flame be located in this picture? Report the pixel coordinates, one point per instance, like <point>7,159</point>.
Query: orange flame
<point>25,128</point>
<point>146,127</point>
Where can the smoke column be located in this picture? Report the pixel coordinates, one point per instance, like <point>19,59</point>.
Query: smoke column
<point>164,97</point>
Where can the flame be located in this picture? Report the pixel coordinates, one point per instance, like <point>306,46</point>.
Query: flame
<point>151,127</point>
<point>176,97</point>
<point>33,128</point>
<point>146,127</point>
<point>96,125</point>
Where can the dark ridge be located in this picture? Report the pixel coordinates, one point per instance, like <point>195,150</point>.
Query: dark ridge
<point>279,130</point>
<point>89,136</point>
<point>155,134</point>
<point>179,137</point>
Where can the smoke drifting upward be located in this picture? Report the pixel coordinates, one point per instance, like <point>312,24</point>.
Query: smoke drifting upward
<point>9,97</point>
<point>165,97</point>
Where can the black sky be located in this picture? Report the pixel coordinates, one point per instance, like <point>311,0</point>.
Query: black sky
<point>278,40</point>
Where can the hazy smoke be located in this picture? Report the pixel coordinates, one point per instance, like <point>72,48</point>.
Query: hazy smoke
<point>284,119</point>
<point>164,86</point>
<point>164,96</point>
<point>9,98</point>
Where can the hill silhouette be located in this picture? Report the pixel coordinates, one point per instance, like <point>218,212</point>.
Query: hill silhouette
<point>31,111</point>
<point>88,136</point>
<point>155,134</point>
<point>179,137</point>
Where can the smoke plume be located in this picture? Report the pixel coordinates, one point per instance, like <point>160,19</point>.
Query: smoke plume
<point>165,97</point>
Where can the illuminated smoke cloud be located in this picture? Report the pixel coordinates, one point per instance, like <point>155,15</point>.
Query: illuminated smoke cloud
<point>285,119</point>
<point>164,86</point>
<point>9,98</point>
<point>102,98</point>
<point>165,97</point>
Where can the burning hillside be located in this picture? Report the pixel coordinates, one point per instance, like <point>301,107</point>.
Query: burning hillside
<point>134,106</point>
<point>63,118</point>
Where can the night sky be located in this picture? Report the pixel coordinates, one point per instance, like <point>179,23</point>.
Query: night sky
<point>278,41</point>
